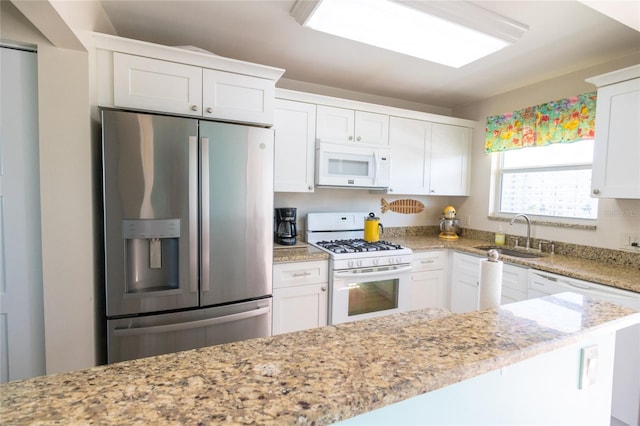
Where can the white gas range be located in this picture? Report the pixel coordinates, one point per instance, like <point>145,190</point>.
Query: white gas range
<point>367,279</point>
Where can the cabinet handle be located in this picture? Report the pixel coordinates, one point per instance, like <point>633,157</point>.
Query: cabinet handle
<point>350,138</point>
<point>358,138</point>
<point>596,191</point>
<point>323,288</point>
<point>310,188</point>
<point>301,274</point>
<point>428,261</point>
<point>194,107</point>
<point>209,110</point>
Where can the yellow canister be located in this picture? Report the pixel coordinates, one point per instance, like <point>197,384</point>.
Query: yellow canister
<point>372,228</point>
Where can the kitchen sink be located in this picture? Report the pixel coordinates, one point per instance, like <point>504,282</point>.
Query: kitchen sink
<point>513,252</point>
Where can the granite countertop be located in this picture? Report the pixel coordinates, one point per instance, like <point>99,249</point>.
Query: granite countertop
<point>623,277</point>
<point>316,376</point>
<point>299,253</point>
<point>627,278</point>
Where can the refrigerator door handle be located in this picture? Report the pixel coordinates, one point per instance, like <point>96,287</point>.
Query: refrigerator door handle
<point>189,325</point>
<point>193,214</point>
<point>204,184</point>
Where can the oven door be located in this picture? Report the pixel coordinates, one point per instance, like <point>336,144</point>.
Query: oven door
<point>363,293</point>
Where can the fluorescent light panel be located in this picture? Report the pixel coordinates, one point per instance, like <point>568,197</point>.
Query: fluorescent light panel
<point>397,26</point>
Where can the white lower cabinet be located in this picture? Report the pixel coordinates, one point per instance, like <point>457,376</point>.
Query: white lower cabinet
<point>465,282</point>
<point>514,283</point>
<point>429,280</point>
<point>300,296</point>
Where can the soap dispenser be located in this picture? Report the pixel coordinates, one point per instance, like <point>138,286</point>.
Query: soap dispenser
<point>499,237</point>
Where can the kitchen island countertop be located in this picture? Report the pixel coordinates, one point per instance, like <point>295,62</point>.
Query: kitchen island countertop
<point>316,376</point>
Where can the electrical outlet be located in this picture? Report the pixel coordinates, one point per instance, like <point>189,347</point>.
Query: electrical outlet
<point>588,366</point>
<point>630,240</point>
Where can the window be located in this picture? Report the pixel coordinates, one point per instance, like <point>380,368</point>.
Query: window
<point>552,180</point>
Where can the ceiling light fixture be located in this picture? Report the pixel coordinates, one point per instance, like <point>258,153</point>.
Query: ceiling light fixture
<point>452,33</point>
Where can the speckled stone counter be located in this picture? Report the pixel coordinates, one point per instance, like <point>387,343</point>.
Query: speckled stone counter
<point>627,278</point>
<point>298,253</point>
<point>316,376</point>
<point>624,277</point>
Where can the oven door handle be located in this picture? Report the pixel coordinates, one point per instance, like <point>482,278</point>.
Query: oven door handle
<point>389,272</point>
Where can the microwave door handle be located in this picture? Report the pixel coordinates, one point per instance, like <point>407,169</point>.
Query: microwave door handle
<point>376,167</point>
<point>189,325</point>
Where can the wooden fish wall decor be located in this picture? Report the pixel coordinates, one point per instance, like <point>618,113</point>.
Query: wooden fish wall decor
<point>402,206</point>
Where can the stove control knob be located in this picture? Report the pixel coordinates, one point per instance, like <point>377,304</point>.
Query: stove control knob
<point>375,262</point>
<point>350,263</point>
<point>391,261</point>
<point>359,263</point>
<point>398,260</point>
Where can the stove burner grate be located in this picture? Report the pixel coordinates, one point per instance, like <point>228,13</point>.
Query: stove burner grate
<point>357,246</point>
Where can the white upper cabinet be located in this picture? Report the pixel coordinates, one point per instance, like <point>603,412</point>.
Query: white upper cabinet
<point>347,126</point>
<point>151,77</point>
<point>235,97</point>
<point>410,142</point>
<point>295,129</point>
<point>155,85</point>
<point>450,157</point>
<point>616,158</point>
<point>429,158</point>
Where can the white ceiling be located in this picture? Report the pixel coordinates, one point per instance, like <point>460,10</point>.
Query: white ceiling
<point>563,36</point>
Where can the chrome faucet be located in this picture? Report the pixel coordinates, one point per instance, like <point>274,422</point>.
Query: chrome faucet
<point>528,243</point>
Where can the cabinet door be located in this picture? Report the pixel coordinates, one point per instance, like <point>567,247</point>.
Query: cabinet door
<point>295,129</point>
<point>428,289</point>
<point>155,85</point>
<point>514,283</point>
<point>299,308</point>
<point>371,128</point>
<point>449,170</point>
<point>335,124</point>
<point>409,140</point>
<point>465,283</point>
<point>235,97</point>
<point>616,159</point>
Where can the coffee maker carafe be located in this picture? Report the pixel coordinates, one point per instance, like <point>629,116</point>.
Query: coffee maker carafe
<point>286,226</point>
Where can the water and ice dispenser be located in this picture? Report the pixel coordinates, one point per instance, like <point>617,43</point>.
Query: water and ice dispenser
<point>151,254</point>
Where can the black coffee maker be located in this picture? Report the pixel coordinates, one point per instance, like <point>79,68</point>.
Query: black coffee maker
<point>285,226</point>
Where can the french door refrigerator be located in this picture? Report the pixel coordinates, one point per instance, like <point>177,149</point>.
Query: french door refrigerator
<point>188,211</point>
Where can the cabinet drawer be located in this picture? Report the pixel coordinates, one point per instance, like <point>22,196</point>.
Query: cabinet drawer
<point>294,274</point>
<point>429,260</point>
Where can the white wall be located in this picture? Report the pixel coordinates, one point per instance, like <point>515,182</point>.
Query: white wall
<point>614,216</point>
<point>67,196</point>
<point>350,200</point>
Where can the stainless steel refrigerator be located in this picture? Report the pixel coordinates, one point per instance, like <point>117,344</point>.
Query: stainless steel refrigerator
<point>188,211</point>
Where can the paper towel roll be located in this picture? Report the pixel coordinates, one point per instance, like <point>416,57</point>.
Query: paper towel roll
<point>490,284</point>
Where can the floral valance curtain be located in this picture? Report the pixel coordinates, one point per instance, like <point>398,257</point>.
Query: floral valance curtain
<point>562,121</point>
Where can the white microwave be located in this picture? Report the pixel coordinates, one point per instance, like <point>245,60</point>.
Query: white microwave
<point>352,165</point>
